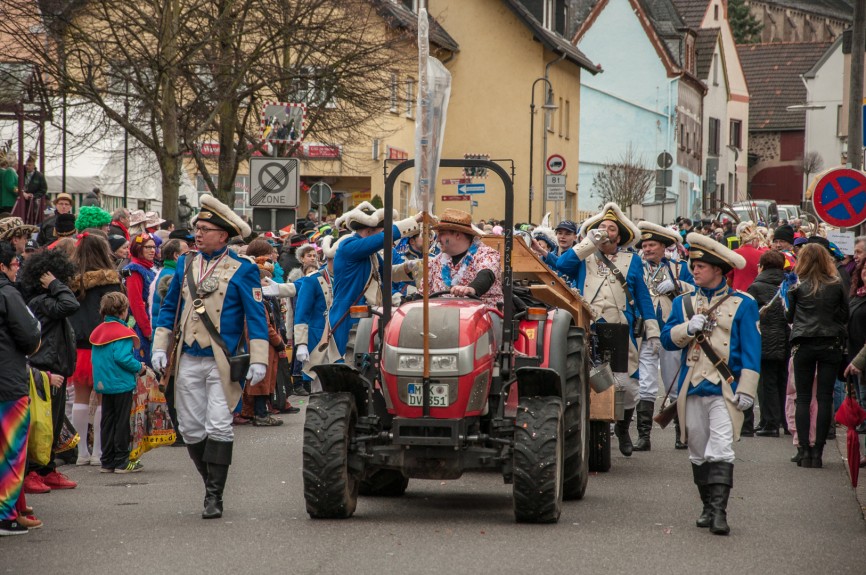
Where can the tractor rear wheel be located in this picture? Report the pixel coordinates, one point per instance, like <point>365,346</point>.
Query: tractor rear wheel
<point>570,359</point>
<point>539,455</point>
<point>599,446</point>
<point>384,483</point>
<point>330,488</point>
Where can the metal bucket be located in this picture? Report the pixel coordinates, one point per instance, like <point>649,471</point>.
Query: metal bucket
<point>601,377</point>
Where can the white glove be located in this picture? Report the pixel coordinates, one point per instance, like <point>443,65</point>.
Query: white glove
<point>270,287</point>
<point>158,360</point>
<point>302,354</point>
<point>256,373</point>
<point>744,401</point>
<point>597,237</point>
<point>654,343</point>
<point>396,299</point>
<point>697,323</point>
<point>666,286</point>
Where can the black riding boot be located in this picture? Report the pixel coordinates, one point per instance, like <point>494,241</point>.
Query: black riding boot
<point>804,456</point>
<point>720,479</point>
<point>620,429</point>
<point>817,453</point>
<point>196,452</point>
<point>644,424</point>
<point>678,443</point>
<point>700,475</point>
<point>218,457</point>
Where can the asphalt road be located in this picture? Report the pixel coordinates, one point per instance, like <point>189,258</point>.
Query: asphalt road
<point>639,518</point>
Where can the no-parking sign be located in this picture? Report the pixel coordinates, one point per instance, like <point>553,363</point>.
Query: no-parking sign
<point>839,197</point>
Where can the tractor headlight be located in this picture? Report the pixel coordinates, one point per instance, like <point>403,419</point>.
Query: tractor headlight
<point>438,363</point>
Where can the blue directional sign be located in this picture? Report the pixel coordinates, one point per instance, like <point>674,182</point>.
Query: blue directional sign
<point>470,189</point>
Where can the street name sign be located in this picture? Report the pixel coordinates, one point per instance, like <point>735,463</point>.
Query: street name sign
<point>471,189</point>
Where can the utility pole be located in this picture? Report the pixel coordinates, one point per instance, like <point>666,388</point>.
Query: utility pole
<point>855,89</point>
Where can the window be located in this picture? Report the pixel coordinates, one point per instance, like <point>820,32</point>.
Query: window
<point>715,69</point>
<point>840,122</point>
<point>560,117</point>
<point>567,113</point>
<point>548,17</point>
<point>682,136</point>
<point>395,88</point>
<point>715,137</point>
<point>405,189</point>
<point>314,86</point>
<point>737,134</point>
<point>410,98</point>
<point>716,12</point>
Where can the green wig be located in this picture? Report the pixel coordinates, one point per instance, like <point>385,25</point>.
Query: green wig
<point>91,217</point>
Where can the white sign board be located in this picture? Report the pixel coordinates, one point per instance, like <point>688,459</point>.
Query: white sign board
<point>274,182</point>
<point>843,240</point>
<point>554,188</point>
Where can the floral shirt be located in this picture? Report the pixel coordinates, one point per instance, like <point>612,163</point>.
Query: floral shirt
<point>462,274</point>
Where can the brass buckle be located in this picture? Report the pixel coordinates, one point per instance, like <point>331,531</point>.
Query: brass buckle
<point>198,306</point>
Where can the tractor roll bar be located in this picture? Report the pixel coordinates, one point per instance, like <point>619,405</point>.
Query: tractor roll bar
<point>508,230</point>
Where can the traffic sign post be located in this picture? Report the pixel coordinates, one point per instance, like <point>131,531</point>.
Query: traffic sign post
<point>554,188</point>
<point>839,197</point>
<point>274,182</point>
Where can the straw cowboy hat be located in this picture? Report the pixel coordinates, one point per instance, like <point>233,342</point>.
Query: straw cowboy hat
<point>152,220</point>
<point>9,227</point>
<point>457,221</point>
<point>137,217</point>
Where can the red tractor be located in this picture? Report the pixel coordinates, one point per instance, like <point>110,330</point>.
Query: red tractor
<point>507,390</point>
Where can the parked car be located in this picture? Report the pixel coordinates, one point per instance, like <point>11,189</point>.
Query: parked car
<point>789,212</point>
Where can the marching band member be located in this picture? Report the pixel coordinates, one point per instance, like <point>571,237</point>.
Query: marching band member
<point>665,280</point>
<point>610,278</point>
<point>716,328</point>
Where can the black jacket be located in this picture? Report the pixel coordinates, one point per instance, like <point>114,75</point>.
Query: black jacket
<point>856,326</point>
<point>823,314</point>
<point>774,327</point>
<point>19,337</point>
<point>53,308</point>
<point>37,184</point>
<point>89,289</point>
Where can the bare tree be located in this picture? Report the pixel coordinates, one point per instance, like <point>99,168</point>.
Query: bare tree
<point>176,73</point>
<point>812,163</point>
<point>625,180</point>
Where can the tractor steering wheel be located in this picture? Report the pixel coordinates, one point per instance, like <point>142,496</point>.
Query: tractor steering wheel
<point>448,292</point>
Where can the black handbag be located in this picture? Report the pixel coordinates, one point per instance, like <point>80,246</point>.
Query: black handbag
<point>239,363</point>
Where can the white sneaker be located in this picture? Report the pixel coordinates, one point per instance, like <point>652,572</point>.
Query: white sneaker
<point>96,460</point>
<point>83,460</point>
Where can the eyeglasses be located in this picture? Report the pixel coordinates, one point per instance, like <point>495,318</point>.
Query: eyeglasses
<point>202,230</point>
<point>149,247</point>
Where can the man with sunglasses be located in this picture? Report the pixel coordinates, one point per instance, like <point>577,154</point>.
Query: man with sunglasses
<point>223,306</point>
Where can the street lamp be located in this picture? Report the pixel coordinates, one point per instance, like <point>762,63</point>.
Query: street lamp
<point>548,106</point>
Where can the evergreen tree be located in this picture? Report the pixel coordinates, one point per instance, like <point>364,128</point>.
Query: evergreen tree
<point>745,27</point>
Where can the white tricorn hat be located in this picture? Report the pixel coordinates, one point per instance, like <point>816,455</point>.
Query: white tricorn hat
<point>363,215</point>
<point>661,234</point>
<point>705,249</point>
<point>217,213</point>
<point>628,232</point>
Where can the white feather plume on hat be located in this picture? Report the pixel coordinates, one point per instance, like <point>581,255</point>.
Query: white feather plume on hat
<point>329,246</point>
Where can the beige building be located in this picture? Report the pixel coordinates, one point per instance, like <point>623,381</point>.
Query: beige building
<point>495,51</point>
<point>802,20</point>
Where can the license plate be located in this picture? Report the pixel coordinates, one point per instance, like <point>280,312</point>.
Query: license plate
<point>438,395</point>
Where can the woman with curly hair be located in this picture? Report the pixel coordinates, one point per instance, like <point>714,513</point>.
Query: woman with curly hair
<point>43,278</point>
<point>96,276</point>
<point>140,275</point>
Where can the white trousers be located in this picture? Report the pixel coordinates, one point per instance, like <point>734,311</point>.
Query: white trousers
<point>710,430</point>
<point>628,384</point>
<point>650,364</point>
<point>202,410</point>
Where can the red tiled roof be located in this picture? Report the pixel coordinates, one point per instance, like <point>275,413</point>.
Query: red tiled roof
<point>773,76</point>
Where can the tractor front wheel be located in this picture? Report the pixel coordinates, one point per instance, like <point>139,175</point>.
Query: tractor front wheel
<point>330,488</point>
<point>539,455</point>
